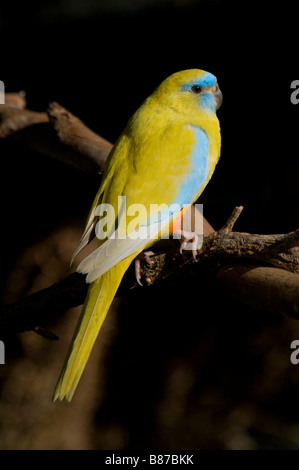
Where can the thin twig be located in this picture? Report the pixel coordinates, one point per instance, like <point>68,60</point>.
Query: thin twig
<point>228,226</point>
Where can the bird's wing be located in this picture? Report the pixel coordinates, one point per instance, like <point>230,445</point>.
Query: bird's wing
<point>114,159</point>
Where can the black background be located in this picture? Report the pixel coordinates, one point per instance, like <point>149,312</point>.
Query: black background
<point>100,60</point>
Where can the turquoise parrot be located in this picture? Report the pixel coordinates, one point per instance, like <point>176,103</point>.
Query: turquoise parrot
<point>161,163</point>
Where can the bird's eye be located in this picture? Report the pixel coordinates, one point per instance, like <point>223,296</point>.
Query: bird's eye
<point>196,89</point>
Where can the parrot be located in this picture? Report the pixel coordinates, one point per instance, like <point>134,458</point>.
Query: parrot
<point>164,157</point>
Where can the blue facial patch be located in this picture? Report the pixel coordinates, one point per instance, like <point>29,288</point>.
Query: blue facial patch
<point>207,80</point>
<point>207,101</point>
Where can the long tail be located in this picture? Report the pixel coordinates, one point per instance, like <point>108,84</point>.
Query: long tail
<point>99,298</point>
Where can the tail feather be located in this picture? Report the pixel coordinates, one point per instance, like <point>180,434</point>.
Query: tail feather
<point>99,298</point>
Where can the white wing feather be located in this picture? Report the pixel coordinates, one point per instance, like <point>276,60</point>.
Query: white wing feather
<point>116,249</point>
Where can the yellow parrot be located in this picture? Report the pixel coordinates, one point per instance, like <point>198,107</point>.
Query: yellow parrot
<point>159,165</point>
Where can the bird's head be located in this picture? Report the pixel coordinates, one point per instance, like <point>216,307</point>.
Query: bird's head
<point>190,91</point>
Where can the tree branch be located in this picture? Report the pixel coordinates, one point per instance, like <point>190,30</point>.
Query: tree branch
<point>276,250</point>
<point>57,133</point>
<point>280,295</point>
<point>261,287</point>
<point>36,310</point>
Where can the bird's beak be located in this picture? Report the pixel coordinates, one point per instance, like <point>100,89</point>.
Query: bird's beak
<point>218,95</point>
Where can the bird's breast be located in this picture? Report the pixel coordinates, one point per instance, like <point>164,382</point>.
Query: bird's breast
<point>198,171</point>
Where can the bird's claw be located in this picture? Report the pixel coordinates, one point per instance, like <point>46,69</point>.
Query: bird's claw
<point>144,256</point>
<point>188,237</point>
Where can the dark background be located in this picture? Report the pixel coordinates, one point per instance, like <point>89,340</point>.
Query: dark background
<point>187,366</point>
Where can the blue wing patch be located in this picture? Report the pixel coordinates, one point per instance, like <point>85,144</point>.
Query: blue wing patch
<point>193,180</point>
<point>207,80</point>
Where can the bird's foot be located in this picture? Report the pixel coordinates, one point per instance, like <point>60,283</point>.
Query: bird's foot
<point>143,256</point>
<point>188,237</point>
